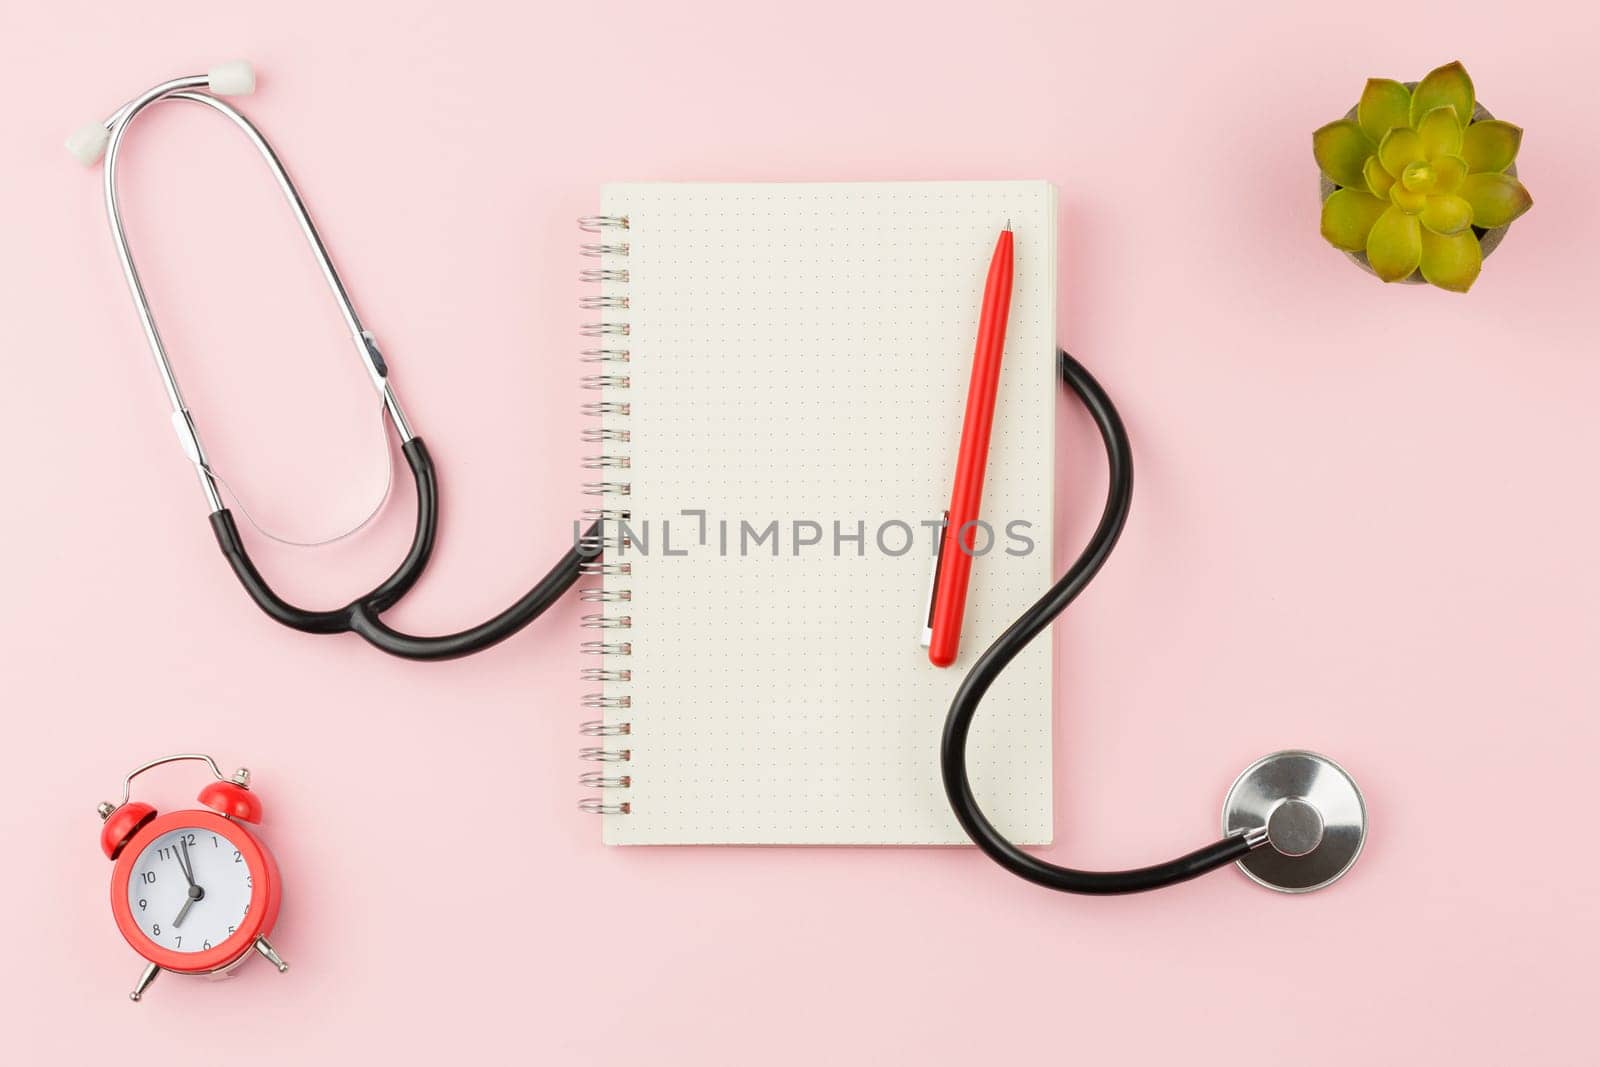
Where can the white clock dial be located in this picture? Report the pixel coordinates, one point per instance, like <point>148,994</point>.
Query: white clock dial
<point>190,890</point>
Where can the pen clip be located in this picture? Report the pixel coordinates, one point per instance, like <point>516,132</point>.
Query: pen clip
<point>933,581</point>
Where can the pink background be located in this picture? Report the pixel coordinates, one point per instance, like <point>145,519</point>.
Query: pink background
<point>1366,524</point>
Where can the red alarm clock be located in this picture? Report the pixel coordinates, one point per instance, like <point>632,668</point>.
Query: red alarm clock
<point>194,892</point>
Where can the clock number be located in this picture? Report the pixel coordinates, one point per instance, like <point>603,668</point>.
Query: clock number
<point>205,946</point>
<point>187,839</point>
<point>231,929</point>
<point>156,929</point>
<point>180,940</point>
<point>249,881</point>
<point>214,842</point>
<point>148,876</point>
<point>141,903</point>
<point>236,857</point>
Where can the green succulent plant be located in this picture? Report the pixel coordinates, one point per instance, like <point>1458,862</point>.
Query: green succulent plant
<point>1418,180</point>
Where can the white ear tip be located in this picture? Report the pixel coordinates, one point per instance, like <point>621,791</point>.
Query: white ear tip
<point>236,78</point>
<point>88,143</point>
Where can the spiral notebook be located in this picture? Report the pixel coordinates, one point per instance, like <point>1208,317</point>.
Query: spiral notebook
<point>778,374</point>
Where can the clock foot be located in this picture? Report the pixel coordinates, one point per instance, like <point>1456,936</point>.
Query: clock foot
<point>266,949</point>
<point>143,983</point>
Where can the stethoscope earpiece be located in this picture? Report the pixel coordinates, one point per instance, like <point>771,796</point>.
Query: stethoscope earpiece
<point>1310,813</point>
<point>88,142</point>
<point>234,78</point>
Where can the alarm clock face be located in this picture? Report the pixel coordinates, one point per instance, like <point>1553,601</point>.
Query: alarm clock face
<point>190,889</point>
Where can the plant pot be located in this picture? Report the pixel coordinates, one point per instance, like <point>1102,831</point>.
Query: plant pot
<point>1488,240</point>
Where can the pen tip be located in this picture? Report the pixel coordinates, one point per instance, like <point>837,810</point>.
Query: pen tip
<point>1008,225</point>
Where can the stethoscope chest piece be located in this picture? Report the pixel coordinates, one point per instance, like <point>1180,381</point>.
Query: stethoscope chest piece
<point>1311,813</point>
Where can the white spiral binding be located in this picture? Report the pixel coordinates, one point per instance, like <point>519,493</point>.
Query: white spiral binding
<point>609,334</point>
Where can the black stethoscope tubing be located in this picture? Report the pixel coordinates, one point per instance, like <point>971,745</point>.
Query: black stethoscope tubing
<point>363,615</point>
<point>1036,620</point>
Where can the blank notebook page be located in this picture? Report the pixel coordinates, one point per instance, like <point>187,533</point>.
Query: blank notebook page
<point>799,355</point>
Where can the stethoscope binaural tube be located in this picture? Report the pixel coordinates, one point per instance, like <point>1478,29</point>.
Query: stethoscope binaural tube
<point>361,616</point>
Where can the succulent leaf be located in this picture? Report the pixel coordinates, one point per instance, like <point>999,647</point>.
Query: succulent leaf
<point>1385,104</point>
<point>1407,200</point>
<point>1451,262</point>
<point>1341,150</point>
<point>1440,130</point>
<point>1399,148</point>
<point>1496,199</point>
<point>1447,173</point>
<point>1347,218</point>
<point>1490,145</point>
<point>1394,247</point>
<point>1449,84</point>
<point>1378,179</point>
<point>1446,215</point>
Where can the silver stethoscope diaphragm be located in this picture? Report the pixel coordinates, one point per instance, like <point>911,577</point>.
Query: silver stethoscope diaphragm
<point>1313,816</point>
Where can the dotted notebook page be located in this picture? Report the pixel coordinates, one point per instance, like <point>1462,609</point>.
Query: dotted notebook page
<point>799,356</point>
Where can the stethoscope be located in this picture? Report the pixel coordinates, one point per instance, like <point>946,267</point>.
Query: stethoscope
<point>1293,821</point>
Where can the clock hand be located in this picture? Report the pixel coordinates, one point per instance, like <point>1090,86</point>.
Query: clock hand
<point>184,863</point>
<point>195,892</point>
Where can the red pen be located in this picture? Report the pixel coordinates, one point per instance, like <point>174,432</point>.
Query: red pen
<point>961,534</point>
